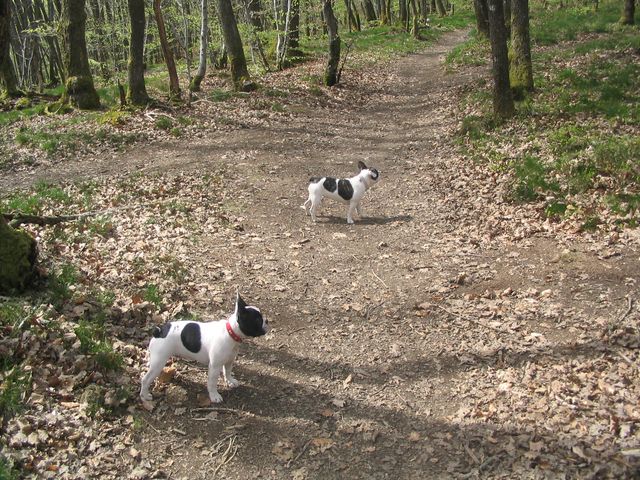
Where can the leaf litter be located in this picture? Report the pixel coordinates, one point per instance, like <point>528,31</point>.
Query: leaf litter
<point>449,333</point>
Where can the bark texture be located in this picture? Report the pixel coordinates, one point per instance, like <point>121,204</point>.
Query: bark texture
<point>174,83</point>
<point>369,10</point>
<point>137,92</point>
<point>7,74</point>
<point>482,17</point>
<point>233,43</point>
<point>331,72</point>
<point>503,107</point>
<point>204,38</point>
<point>628,13</point>
<point>520,68</point>
<point>78,88</point>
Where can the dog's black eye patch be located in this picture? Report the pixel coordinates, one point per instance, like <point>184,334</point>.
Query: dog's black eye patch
<point>161,332</point>
<point>250,322</point>
<point>330,184</point>
<point>191,337</point>
<point>345,189</point>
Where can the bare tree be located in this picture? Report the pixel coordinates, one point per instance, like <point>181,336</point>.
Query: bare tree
<point>503,107</point>
<point>137,93</point>
<point>233,43</point>
<point>174,83</point>
<point>331,72</point>
<point>204,38</point>
<point>7,74</point>
<point>79,89</point>
<point>520,68</point>
<point>482,17</point>
<point>628,13</point>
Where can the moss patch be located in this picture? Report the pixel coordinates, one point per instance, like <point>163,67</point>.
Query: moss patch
<point>17,259</point>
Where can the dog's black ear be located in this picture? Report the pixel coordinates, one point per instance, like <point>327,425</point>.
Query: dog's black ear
<point>240,303</point>
<point>361,165</point>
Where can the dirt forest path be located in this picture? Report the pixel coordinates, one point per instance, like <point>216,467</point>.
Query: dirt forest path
<point>447,334</point>
<point>422,341</point>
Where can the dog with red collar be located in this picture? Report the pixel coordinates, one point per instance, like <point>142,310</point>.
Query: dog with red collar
<point>214,344</point>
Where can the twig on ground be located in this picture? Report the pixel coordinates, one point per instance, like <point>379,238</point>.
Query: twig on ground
<point>464,317</point>
<point>381,281</point>
<point>300,453</point>
<point>226,456</point>
<point>216,409</point>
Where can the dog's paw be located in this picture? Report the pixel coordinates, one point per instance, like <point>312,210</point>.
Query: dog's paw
<point>215,397</point>
<point>146,396</point>
<point>232,382</point>
<point>350,221</point>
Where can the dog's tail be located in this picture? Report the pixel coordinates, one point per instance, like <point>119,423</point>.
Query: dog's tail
<point>161,332</point>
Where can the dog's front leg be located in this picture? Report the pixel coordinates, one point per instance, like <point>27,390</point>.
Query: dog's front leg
<point>212,382</point>
<point>229,379</point>
<point>352,208</point>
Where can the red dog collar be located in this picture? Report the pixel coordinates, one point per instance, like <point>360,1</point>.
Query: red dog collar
<point>233,334</point>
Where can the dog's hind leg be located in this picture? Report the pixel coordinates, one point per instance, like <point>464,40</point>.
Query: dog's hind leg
<point>315,206</point>
<point>350,211</point>
<point>359,210</point>
<point>156,364</point>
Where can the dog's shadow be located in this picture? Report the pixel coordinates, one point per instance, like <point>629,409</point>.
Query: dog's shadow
<point>334,219</point>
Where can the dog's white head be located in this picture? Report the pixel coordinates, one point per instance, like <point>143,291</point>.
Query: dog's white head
<point>369,175</point>
<point>250,319</point>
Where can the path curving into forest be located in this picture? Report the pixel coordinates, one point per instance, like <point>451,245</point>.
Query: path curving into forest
<point>447,334</point>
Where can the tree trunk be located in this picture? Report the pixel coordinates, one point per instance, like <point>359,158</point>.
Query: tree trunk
<point>174,83</point>
<point>442,11</point>
<point>137,93</point>
<point>78,87</point>
<point>520,68</point>
<point>403,14</point>
<point>507,16</point>
<point>233,43</point>
<point>294,29</point>
<point>204,38</point>
<point>482,17</point>
<point>628,13</point>
<point>502,98</point>
<point>331,72</point>
<point>18,254</point>
<point>7,74</point>
<point>369,10</point>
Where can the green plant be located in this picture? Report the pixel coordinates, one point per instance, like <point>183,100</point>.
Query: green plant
<point>14,385</point>
<point>152,294</point>
<point>7,470</point>
<point>164,123</point>
<point>61,283</point>
<point>92,339</point>
<point>530,179</point>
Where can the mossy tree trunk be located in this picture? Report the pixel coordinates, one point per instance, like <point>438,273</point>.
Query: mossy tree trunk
<point>482,17</point>
<point>628,13</point>
<point>174,83</point>
<point>233,42</point>
<point>18,254</point>
<point>503,107</point>
<point>520,68</point>
<point>137,93</point>
<point>7,74</point>
<point>507,16</point>
<point>78,89</point>
<point>331,72</point>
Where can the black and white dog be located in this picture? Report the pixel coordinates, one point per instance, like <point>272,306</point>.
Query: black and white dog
<point>212,343</point>
<point>348,190</point>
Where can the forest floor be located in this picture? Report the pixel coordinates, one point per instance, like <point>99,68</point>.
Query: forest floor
<point>446,334</point>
